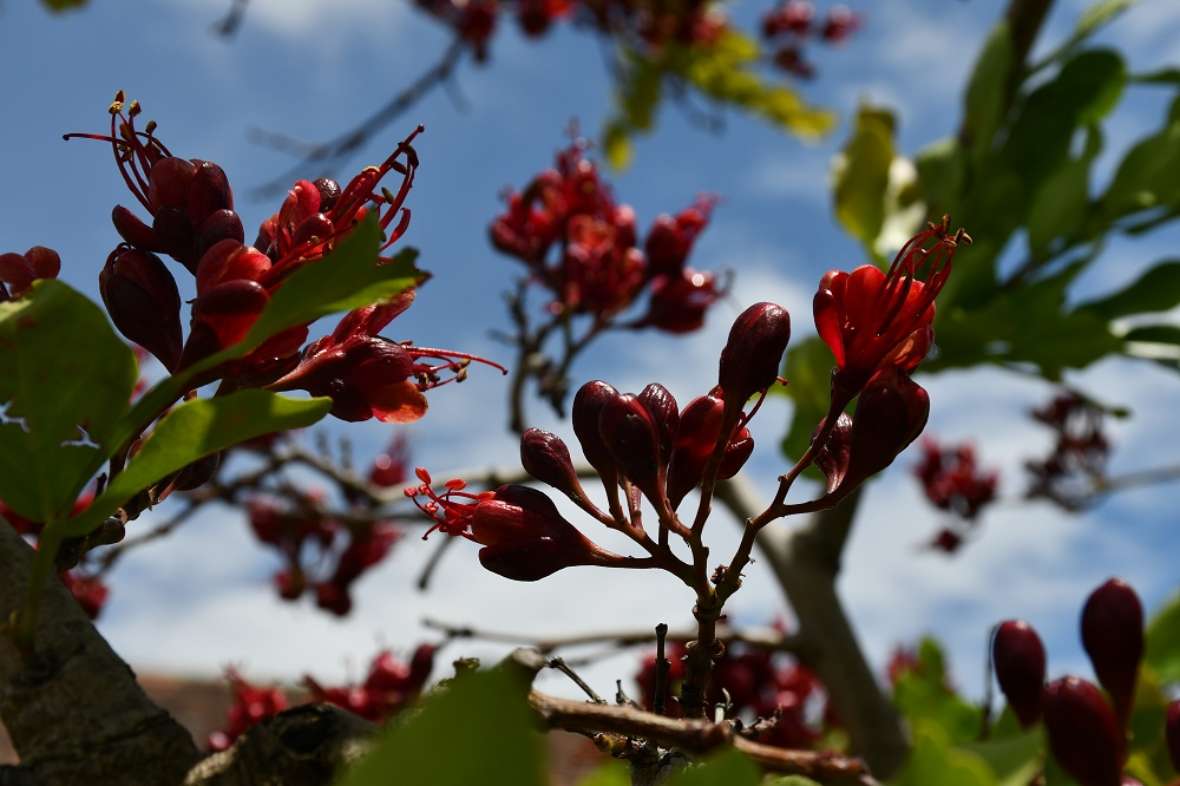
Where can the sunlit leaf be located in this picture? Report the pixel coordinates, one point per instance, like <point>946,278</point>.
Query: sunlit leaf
<point>861,175</point>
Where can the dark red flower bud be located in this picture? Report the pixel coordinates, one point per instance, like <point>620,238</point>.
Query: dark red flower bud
<point>45,262</point>
<point>737,452</point>
<point>229,260</point>
<point>665,413</point>
<point>670,239</point>
<point>16,272</point>
<point>333,598</point>
<point>421,664</point>
<point>290,584</point>
<point>230,309</point>
<point>1084,734</point>
<point>1112,634</point>
<point>1019,660</point>
<point>835,454</point>
<point>629,433</point>
<point>1172,733</point>
<point>169,183</point>
<point>175,236</point>
<point>545,456</point>
<point>134,231</point>
<point>220,225</point>
<point>209,192</point>
<point>753,354</point>
<point>141,297</point>
<point>679,303</point>
<point>587,407</point>
<point>525,538</point>
<point>841,22</point>
<point>891,413</point>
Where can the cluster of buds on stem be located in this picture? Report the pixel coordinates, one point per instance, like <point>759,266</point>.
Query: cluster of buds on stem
<point>193,221</point>
<point>19,271</point>
<point>1087,731</point>
<point>1077,464</point>
<point>696,23</point>
<point>389,686</point>
<point>321,555</point>
<point>781,701</point>
<point>791,24</point>
<point>953,481</point>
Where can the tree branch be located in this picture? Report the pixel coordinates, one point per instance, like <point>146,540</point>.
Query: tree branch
<point>71,706</point>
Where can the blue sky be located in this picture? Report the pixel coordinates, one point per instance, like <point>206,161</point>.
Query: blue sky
<point>310,67</point>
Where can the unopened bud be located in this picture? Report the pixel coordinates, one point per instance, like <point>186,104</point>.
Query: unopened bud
<point>665,413</point>
<point>1112,634</point>
<point>1084,734</point>
<point>588,404</point>
<point>141,297</point>
<point>629,433</point>
<point>1019,660</point>
<point>545,456</point>
<point>751,359</point>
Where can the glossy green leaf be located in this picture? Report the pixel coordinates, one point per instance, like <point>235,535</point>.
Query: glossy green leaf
<point>1145,177</point>
<point>1099,13</point>
<point>934,761</point>
<point>987,88</point>
<point>193,430</point>
<point>923,695</point>
<point>1163,643</point>
<point>1158,289</point>
<point>808,371</point>
<point>728,768</point>
<point>62,369</point>
<point>477,732</point>
<point>1084,91</point>
<point>1012,758</point>
<point>1059,205</point>
<point>345,279</point>
<point>861,175</point>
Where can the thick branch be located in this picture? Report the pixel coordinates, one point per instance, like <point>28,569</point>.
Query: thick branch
<point>696,736</point>
<point>72,707</point>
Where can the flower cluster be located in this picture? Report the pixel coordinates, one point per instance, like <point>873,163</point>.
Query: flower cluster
<point>600,267</point>
<point>19,271</point>
<point>321,555</point>
<point>474,21</point>
<point>193,221</point>
<point>1087,733</point>
<point>780,698</point>
<point>879,329</point>
<point>1080,452</point>
<point>251,704</point>
<point>390,685</point>
<point>953,481</point>
<point>789,25</point>
<point>87,587</point>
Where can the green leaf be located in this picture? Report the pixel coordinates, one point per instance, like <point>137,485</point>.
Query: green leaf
<point>1149,710</point>
<point>1100,13</point>
<point>1016,758</point>
<point>1084,91</point>
<point>1163,76</point>
<point>1058,206</point>
<point>345,279</point>
<point>613,773</point>
<point>1159,343</point>
<point>987,88</point>
<point>476,732</point>
<point>193,430</point>
<point>935,761</point>
<point>1144,179</point>
<point>942,171</point>
<point>1158,289</point>
<point>729,768</point>
<point>808,371</point>
<point>791,780</point>
<point>1163,643</point>
<point>61,368</point>
<point>861,175</point>
<point>923,695</point>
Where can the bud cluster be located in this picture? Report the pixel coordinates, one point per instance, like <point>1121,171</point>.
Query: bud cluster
<point>791,24</point>
<point>769,692</point>
<point>601,266</point>
<point>1087,731</point>
<point>1081,450</point>
<point>192,220</point>
<point>19,271</point>
<point>322,555</point>
<point>953,481</point>
<point>474,22</point>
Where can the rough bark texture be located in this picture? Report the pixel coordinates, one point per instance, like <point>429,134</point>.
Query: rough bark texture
<point>73,708</point>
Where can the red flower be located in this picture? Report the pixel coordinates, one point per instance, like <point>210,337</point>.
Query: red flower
<point>524,538</point>
<point>953,481</point>
<point>369,376</point>
<point>871,319</point>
